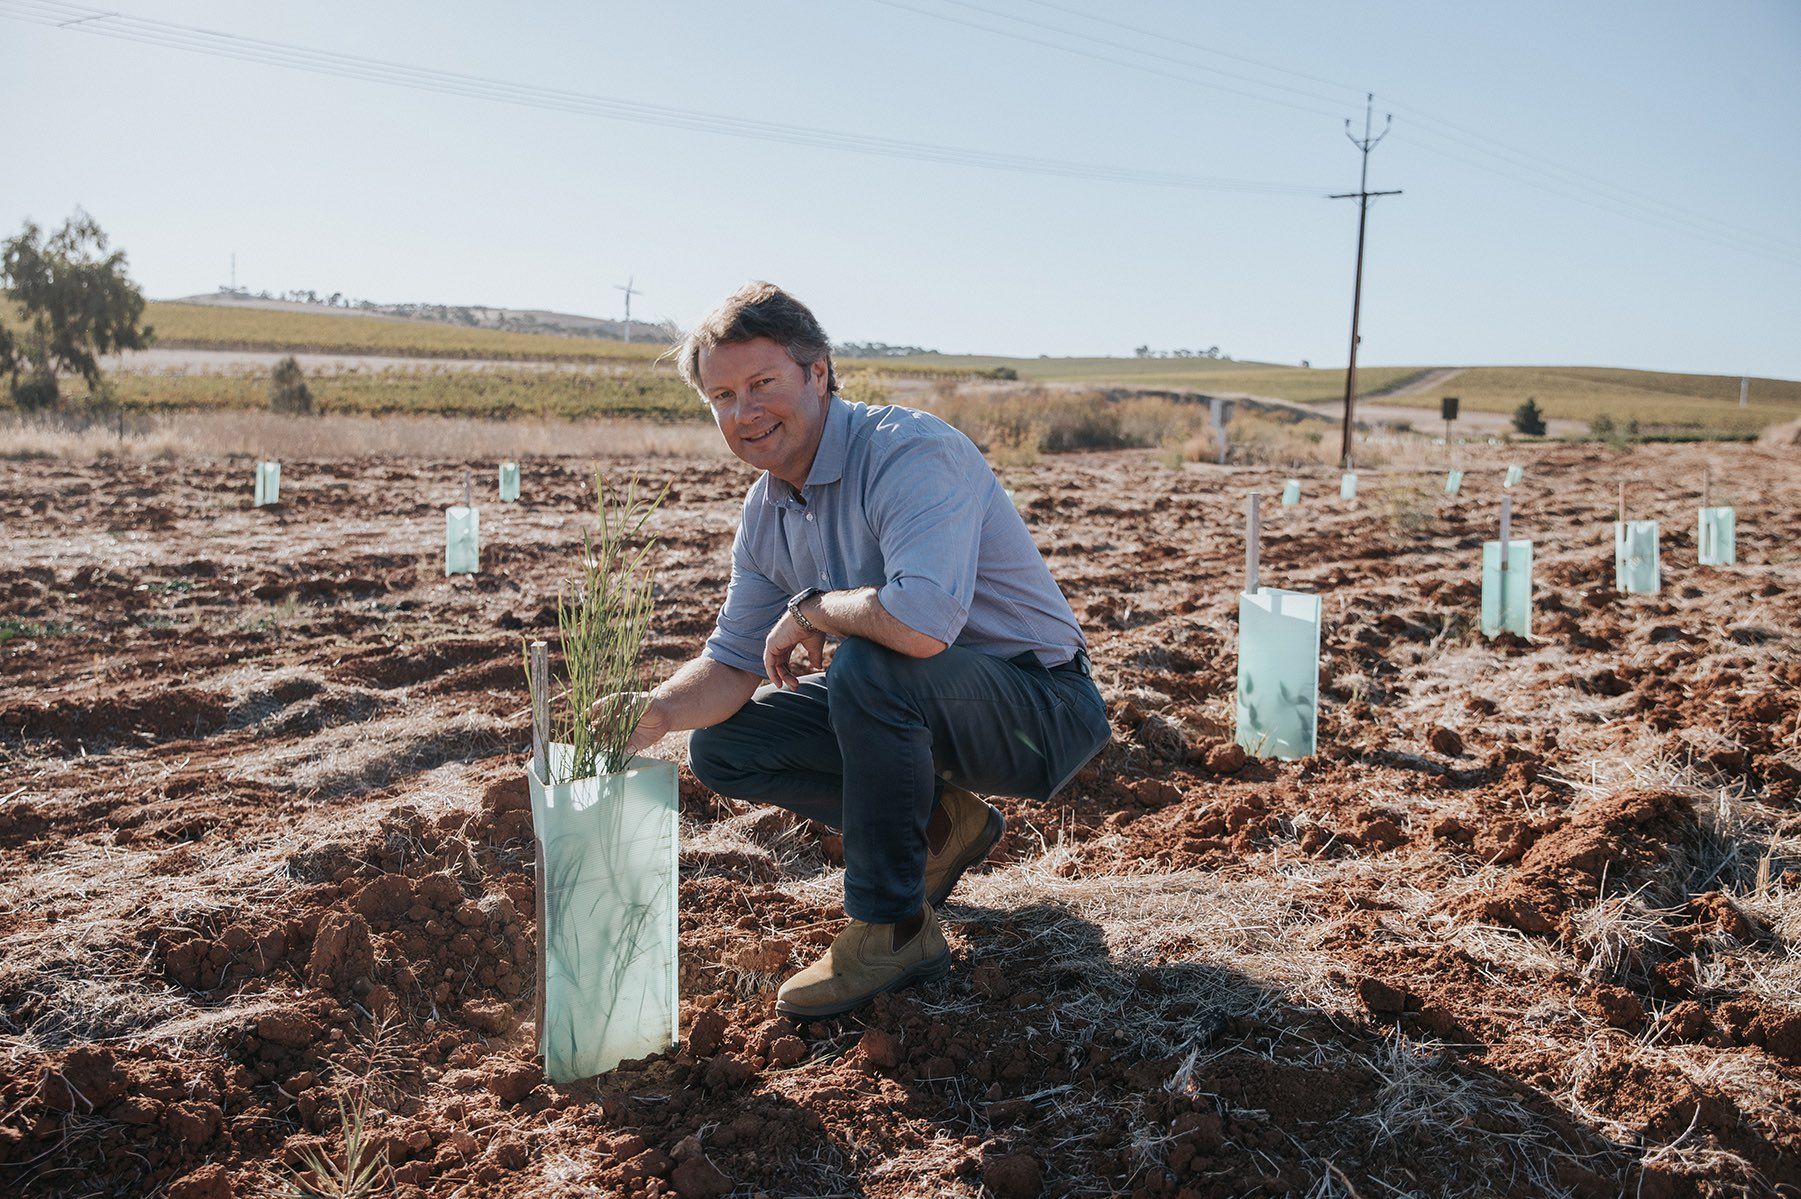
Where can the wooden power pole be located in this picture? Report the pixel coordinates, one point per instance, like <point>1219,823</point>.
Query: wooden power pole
<point>1363,195</point>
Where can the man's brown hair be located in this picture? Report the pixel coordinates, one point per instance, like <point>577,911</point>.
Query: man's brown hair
<point>758,310</point>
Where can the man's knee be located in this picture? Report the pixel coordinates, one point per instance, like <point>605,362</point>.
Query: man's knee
<point>710,758</point>
<point>859,662</point>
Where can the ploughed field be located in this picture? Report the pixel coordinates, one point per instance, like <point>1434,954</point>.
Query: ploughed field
<point>1528,924</point>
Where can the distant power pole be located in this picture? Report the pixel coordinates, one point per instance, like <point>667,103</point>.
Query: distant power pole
<point>1363,196</point>
<point>629,291</point>
<point>234,270</point>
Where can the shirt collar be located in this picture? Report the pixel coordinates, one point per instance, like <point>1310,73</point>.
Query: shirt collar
<point>828,459</point>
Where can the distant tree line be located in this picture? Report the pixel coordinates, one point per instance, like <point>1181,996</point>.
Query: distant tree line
<point>1209,352</point>
<point>876,349</point>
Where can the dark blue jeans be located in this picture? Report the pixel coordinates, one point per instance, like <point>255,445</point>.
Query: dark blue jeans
<point>867,747</point>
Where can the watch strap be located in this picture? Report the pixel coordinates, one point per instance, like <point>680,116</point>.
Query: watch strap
<point>800,618</point>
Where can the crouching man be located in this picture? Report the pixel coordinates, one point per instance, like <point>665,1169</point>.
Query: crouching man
<point>959,667</point>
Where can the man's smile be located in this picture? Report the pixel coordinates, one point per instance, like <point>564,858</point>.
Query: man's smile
<point>764,435</point>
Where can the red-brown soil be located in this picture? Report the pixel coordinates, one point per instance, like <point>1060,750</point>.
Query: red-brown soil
<point>1529,923</point>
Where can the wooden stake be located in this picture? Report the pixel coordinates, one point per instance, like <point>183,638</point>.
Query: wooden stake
<point>1253,529</point>
<point>468,489</point>
<point>1622,501</point>
<point>1506,526</point>
<point>1707,489</point>
<point>540,688</point>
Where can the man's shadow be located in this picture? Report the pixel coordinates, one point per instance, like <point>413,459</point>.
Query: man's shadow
<point>1058,1050</point>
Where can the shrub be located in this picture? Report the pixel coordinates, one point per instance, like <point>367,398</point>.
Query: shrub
<point>1528,419</point>
<point>34,393</point>
<point>287,389</point>
<point>1603,427</point>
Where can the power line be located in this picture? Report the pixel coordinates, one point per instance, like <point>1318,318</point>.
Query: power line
<point>1086,16</point>
<point>1667,224</point>
<point>1006,16</point>
<point>1455,133</point>
<point>1656,211</point>
<point>219,44</point>
<point>1592,182</point>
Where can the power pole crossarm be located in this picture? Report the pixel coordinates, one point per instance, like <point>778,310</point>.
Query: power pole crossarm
<point>1363,195</point>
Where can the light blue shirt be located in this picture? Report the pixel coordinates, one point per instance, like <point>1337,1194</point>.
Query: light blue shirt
<point>902,502</point>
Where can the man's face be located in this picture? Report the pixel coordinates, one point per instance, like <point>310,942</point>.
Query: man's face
<point>769,407</point>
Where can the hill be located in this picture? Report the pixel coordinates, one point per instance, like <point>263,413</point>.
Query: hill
<point>282,326</point>
<point>468,316</point>
<point>1653,403</point>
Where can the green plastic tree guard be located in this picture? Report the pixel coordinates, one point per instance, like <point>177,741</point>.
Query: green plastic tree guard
<point>268,484</point>
<point>607,888</point>
<point>1453,482</point>
<point>1347,486</point>
<point>1716,540</point>
<point>1637,567</point>
<point>1514,475</point>
<point>1507,594</point>
<point>509,482</point>
<point>1278,672</point>
<point>462,540</point>
<point>1291,492</point>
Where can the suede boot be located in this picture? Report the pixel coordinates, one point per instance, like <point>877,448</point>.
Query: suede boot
<point>861,964</point>
<point>974,828</point>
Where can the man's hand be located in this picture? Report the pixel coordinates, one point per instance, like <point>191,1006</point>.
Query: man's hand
<point>779,647</point>
<point>652,726</point>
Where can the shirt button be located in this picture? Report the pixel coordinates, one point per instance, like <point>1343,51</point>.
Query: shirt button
<point>824,578</point>
<point>809,516</point>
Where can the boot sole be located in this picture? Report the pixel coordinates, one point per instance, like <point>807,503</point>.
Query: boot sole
<point>991,836</point>
<point>926,971</point>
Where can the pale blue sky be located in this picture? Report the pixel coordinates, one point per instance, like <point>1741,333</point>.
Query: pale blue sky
<point>395,194</point>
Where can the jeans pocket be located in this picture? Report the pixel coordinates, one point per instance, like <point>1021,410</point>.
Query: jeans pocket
<point>1085,730</point>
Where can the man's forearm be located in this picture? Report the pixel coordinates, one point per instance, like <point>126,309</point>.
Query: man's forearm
<point>702,693</point>
<point>858,613</point>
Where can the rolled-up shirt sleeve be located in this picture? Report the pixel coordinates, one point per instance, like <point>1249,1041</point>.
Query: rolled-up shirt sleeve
<point>926,508</point>
<point>753,604</point>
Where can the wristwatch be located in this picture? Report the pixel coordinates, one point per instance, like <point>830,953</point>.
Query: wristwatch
<point>800,618</point>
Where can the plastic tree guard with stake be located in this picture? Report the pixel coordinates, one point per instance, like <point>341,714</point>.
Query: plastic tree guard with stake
<point>1636,568</point>
<point>1278,661</point>
<point>462,535</point>
<point>1514,475</point>
<point>1453,482</point>
<point>1636,565</point>
<point>509,482</point>
<point>1347,486</point>
<point>1291,493</point>
<point>1507,580</point>
<point>608,986</point>
<point>268,484</point>
<point>605,822</point>
<point>1716,536</point>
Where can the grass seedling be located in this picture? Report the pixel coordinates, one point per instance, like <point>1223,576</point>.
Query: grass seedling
<point>603,617</point>
<point>363,1172</point>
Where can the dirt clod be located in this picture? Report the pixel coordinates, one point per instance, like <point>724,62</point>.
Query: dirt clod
<point>1014,1176</point>
<point>879,1049</point>
<point>1226,758</point>
<point>513,1083</point>
<point>1446,741</point>
<point>699,1178</point>
<point>208,1182</point>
